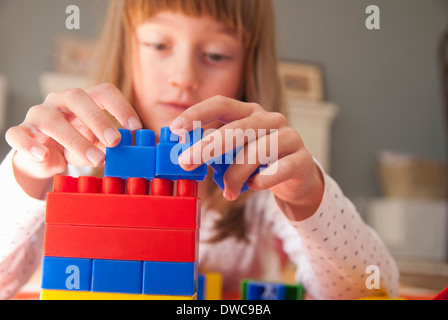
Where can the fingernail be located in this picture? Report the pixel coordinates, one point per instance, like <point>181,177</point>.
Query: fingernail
<point>38,153</point>
<point>134,124</point>
<point>186,158</point>
<point>228,195</point>
<point>111,135</point>
<point>177,124</point>
<point>95,157</point>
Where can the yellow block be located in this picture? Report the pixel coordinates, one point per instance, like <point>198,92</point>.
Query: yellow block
<point>89,295</point>
<point>213,286</point>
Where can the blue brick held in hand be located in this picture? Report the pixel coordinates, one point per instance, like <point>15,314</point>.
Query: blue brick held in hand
<point>221,164</point>
<point>132,161</point>
<point>167,159</point>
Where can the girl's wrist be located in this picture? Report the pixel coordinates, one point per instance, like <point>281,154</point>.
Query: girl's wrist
<point>34,187</point>
<point>304,206</point>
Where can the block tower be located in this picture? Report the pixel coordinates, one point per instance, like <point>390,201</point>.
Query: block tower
<point>133,234</point>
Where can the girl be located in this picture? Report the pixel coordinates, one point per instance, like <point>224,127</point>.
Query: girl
<point>173,62</point>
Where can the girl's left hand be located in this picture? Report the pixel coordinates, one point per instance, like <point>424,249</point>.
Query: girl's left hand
<point>292,175</point>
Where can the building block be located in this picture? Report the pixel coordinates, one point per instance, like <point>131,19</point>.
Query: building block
<point>168,151</point>
<point>221,164</point>
<point>111,243</point>
<point>117,276</point>
<point>66,273</point>
<point>128,160</point>
<point>265,291</point>
<point>123,210</point>
<point>209,286</point>
<point>82,295</point>
<point>213,286</point>
<point>443,295</point>
<point>258,290</point>
<point>170,278</point>
<point>201,287</point>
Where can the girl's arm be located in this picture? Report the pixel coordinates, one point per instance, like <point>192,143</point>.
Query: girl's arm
<point>21,232</point>
<point>334,248</point>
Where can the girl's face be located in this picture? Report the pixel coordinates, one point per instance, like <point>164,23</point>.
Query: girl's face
<point>179,61</point>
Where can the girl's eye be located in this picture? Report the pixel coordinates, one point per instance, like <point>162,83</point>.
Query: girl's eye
<point>156,45</point>
<point>216,57</point>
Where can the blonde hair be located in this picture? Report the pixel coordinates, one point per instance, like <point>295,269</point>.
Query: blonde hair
<point>255,23</point>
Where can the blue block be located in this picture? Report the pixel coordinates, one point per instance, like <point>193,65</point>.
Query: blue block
<point>170,278</point>
<point>201,287</point>
<point>220,164</point>
<point>265,291</point>
<point>167,159</point>
<point>117,276</point>
<point>66,274</point>
<point>132,161</point>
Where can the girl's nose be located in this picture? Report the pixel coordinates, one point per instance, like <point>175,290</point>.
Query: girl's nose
<point>185,75</point>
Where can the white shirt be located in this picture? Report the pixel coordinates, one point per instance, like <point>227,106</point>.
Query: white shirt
<point>332,249</point>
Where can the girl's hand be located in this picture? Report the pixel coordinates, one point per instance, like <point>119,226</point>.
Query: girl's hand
<point>69,127</point>
<point>292,175</point>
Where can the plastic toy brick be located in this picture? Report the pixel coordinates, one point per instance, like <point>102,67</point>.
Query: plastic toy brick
<point>201,287</point>
<point>121,210</point>
<point>81,295</point>
<point>131,186</point>
<point>168,151</point>
<point>265,291</point>
<point>210,286</point>
<point>443,295</point>
<point>170,278</point>
<point>66,273</point>
<point>257,290</point>
<point>113,243</point>
<point>213,286</point>
<point>221,164</point>
<point>117,276</point>
<point>132,161</point>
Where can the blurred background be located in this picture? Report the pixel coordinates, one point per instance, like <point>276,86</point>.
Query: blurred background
<point>371,105</point>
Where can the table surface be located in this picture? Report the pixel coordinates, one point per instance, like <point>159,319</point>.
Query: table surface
<point>31,290</point>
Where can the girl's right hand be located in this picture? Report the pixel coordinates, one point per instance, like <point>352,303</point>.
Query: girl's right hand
<point>70,127</point>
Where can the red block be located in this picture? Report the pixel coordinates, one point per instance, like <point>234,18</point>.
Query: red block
<point>133,186</point>
<point>121,243</point>
<point>80,202</point>
<point>443,295</point>
<point>123,211</point>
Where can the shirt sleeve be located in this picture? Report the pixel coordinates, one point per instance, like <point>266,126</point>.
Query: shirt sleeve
<point>22,226</point>
<point>21,232</point>
<point>337,255</point>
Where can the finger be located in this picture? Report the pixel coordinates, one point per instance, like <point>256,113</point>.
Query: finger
<point>78,102</point>
<point>280,171</point>
<point>231,136</point>
<point>218,108</point>
<point>20,139</point>
<point>267,149</point>
<point>108,97</point>
<point>59,129</point>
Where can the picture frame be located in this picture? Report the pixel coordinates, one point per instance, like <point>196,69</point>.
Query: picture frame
<point>302,80</point>
<point>74,55</point>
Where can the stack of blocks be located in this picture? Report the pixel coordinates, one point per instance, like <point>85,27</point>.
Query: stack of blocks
<point>133,234</point>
